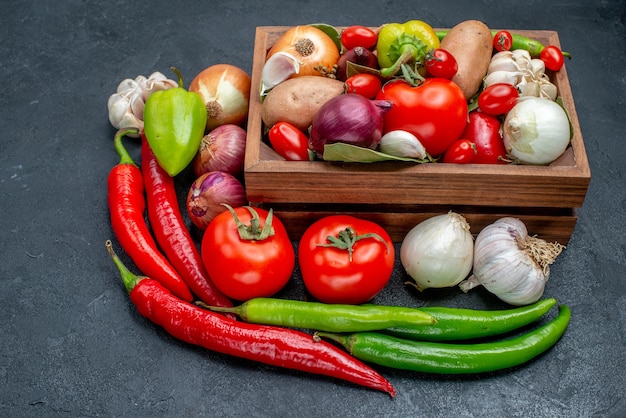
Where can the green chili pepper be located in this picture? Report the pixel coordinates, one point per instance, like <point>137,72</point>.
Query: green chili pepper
<point>325,317</point>
<point>463,324</point>
<point>174,124</point>
<point>404,43</point>
<point>533,46</point>
<point>446,358</point>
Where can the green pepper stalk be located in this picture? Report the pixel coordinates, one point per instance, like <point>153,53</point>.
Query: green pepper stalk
<point>404,43</point>
<point>174,125</point>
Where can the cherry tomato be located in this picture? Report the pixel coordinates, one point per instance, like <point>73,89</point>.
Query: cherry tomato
<point>435,112</point>
<point>498,99</point>
<point>247,268</point>
<point>357,35</point>
<point>365,84</point>
<point>484,131</point>
<point>440,63</point>
<point>503,41</point>
<point>289,142</point>
<point>462,151</point>
<point>552,57</point>
<point>335,275</point>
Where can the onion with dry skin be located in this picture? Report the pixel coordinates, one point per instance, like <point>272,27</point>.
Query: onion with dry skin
<point>209,192</point>
<point>225,90</point>
<point>314,51</point>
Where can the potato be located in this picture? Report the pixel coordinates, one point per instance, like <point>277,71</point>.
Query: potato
<point>471,43</point>
<point>297,100</point>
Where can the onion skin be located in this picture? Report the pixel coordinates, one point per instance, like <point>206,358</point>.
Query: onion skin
<point>208,193</point>
<point>349,118</point>
<point>225,90</point>
<point>222,149</point>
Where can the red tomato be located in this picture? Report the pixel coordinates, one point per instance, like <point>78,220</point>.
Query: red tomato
<point>357,35</point>
<point>552,57</point>
<point>503,41</point>
<point>435,112</point>
<point>290,142</point>
<point>484,131</point>
<point>367,85</point>
<point>462,151</point>
<point>333,275</point>
<point>498,99</point>
<point>441,63</point>
<point>246,268</point>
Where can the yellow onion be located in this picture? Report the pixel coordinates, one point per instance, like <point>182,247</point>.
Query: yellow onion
<point>225,90</point>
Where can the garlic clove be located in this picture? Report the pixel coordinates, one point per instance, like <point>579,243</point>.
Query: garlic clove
<point>508,77</point>
<point>402,144</point>
<point>548,90</point>
<point>529,88</point>
<point>503,64</point>
<point>126,85</point>
<point>538,67</point>
<point>120,113</point>
<point>278,68</point>
<point>155,82</point>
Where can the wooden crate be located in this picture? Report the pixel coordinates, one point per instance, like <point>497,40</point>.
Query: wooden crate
<point>398,195</point>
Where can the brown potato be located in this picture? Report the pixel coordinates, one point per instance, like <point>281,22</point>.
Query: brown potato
<point>297,100</point>
<point>471,44</point>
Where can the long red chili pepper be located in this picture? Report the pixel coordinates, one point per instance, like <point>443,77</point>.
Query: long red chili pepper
<point>271,345</point>
<point>171,232</point>
<point>126,206</point>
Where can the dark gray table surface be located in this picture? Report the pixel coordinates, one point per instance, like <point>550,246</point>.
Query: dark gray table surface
<point>71,343</point>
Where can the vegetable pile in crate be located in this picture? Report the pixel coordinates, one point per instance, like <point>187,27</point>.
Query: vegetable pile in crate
<point>400,192</point>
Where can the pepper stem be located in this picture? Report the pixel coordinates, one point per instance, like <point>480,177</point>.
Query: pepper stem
<point>347,341</point>
<point>125,157</point>
<point>253,232</point>
<point>180,77</point>
<point>130,280</point>
<point>346,239</point>
<point>406,49</point>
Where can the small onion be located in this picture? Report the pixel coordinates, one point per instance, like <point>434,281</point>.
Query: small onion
<point>222,149</point>
<point>438,252</point>
<point>208,193</point>
<point>536,131</point>
<point>225,90</point>
<point>511,264</point>
<point>348,118</point>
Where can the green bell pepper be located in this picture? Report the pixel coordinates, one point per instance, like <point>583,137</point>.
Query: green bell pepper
<point>174,125</point>
<point>404,43</point>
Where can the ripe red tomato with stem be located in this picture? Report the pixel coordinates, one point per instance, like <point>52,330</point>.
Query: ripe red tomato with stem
<point>365,84</point>
<point>462,151</point>
<point>503,41</point>
<point>289,142</point>
<point>357,35</point>
<point>498,99</point>
<point>484,131</point>
<point>344,259</point>
<point>247,253</point>
<point>434,111</point>
<point>552,57</point>
<point>440,63</point>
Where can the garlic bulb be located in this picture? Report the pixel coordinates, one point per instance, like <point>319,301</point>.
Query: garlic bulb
<point>438,252</point>
<point>511,264</point>
<point>520,70</point>
<point>127,104</point>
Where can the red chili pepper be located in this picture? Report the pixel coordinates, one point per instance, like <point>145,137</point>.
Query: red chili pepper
<point>276,346</point>
<point>126,206</point>
<point>171,232</point>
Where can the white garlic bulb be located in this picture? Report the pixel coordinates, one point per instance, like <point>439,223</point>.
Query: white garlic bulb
<point>127,104</point>
<point>511,264</point>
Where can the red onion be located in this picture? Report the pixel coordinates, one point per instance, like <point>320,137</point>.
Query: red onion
<point>222,149</point>
<point>208,192</point>
<point>359,56</point>
<point>348,118</point>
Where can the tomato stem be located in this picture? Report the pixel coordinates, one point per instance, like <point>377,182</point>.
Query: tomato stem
<point>346,239</point>
<point>253,232</point>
